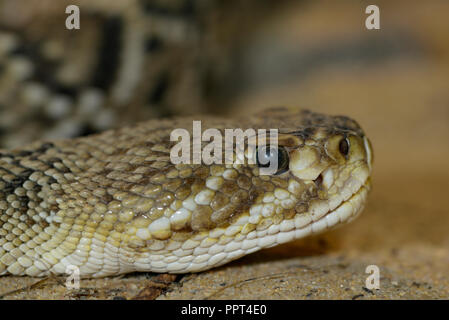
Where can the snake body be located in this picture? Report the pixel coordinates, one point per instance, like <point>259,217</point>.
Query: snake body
<point>131,60</point>
<point>113,202</point>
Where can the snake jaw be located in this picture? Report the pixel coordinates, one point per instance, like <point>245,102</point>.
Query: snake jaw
<point>346,203</point>
<point>341,177</point>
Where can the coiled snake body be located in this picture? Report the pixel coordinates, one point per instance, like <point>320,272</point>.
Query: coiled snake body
<point>113,203</point>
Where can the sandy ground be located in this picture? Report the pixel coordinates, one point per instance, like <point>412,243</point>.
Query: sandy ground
<point>402,100</point>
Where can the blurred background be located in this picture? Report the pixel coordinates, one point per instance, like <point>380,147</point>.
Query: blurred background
<point>136,60</point>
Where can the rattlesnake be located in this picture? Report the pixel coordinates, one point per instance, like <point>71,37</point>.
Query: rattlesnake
<point>114,202</point>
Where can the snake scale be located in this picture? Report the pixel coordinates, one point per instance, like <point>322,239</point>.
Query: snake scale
<point>113,202</point>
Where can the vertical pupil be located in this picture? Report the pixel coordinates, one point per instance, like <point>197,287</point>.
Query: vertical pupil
<point>267,156</point>
<point>344,146</point>
<point>270,153</point>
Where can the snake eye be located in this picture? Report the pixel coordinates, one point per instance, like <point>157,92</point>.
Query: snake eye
<point>266,155</point>
<point>344,146</point>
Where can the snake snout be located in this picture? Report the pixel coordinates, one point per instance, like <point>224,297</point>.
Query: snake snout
<point>369,153</point>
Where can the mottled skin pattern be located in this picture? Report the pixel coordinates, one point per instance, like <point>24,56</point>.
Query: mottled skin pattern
<point>131,60</point>
<point>59,83</point>
<point>114,203</point>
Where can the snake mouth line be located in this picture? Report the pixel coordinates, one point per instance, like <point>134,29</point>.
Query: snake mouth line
<point>357,201</point>
<point>304,226</point>
<point>345,212</point>
<point>286,231</point>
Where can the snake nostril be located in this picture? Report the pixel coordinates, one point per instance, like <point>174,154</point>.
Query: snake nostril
<point>369,152</point>
<point>319,181</point>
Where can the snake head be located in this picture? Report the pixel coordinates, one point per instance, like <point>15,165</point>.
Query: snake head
<point>321,181</point>
<point>329,164</point>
